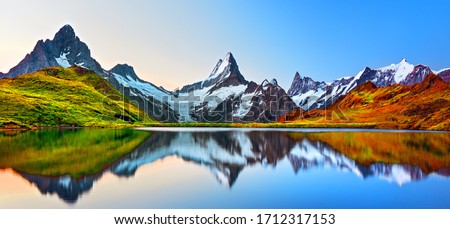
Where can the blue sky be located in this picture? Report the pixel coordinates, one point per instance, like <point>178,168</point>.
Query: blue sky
<point>172,43</point>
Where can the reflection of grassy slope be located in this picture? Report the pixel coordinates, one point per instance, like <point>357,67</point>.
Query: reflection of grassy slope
<point>64,97</point>
<point>69,152</point>
<point>429,151</point>
<point>425,105</point>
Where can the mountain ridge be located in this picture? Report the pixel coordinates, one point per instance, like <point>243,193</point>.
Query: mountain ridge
<point>424,105</point>
<point>225,95</point>
<point>318,95</point>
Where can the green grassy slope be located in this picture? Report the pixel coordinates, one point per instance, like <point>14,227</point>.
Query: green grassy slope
<point>65,97</point>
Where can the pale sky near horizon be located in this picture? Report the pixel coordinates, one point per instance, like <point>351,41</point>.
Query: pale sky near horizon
<point>172,43</point>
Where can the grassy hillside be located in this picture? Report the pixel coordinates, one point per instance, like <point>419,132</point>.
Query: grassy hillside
<point>425,105</point>
<point>65,97</point>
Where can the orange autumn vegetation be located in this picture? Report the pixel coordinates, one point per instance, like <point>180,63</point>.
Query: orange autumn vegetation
<point>429,153</point>
<point>424,106</point>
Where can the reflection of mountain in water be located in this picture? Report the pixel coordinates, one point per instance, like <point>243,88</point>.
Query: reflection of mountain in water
<point>226,153</point>
<point>65,187</point>
<point>307,155</point>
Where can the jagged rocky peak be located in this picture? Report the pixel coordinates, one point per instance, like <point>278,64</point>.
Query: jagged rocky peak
<point>224,67</point>
<point>229,58</point>
<point>66,42</point>
<point>64,50</point>
<point>124,70</point>
<point>224,74</point>
<point>302,84</point>
<point>65,33</point>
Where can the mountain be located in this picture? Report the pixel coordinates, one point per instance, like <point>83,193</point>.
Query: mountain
<point>305,91</point>
<point>309,94</point>
<point>424,105</point>
<point>66,49</point>
<point>209,100</point>
<point>225,74</point>
<point>154,100</point>
<point>226,96</point>
<point>268,102</point>
<point>58,96</point>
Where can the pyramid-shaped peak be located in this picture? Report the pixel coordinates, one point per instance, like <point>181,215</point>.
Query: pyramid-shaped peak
<point>227,64</point>
<point>66,32</point>
<point>403,62</point>
<point>229,59</point>
<point>297,77</point>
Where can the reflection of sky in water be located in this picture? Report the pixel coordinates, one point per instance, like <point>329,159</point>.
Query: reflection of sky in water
<point>299,175</point>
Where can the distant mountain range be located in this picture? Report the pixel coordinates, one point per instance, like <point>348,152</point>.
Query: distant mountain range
<point>423,105</point>
<point>225,95</point>
<point>310,94</point>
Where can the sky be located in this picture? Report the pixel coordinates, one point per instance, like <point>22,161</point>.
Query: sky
<point>173,43</point>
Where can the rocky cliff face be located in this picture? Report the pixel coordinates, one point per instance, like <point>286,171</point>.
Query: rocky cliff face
<point>268,103</point>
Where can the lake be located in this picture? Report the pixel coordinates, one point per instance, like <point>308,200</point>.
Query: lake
<point>224,168</point>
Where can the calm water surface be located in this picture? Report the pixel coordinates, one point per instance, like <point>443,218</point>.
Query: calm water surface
<point>224,168</point>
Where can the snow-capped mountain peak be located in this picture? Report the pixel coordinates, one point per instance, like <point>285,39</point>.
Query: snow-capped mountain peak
<point>320,95</point>
<point>400,70</point>
<point>224,74</point>
<point>303,84</point>
<point>221,67</point>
